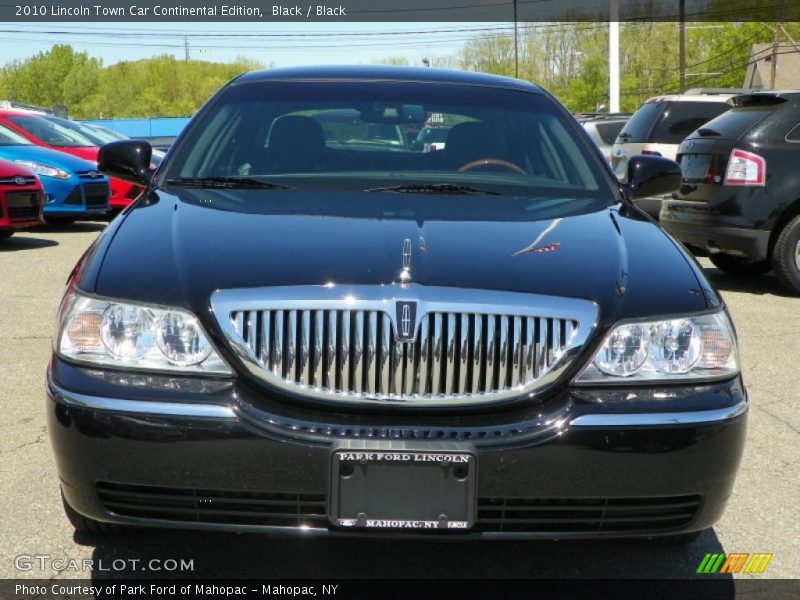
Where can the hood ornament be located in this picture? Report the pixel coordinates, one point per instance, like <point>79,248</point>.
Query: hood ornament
<point>405,274</point>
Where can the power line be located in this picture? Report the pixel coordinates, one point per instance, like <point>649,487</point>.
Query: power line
<point>698,82</point>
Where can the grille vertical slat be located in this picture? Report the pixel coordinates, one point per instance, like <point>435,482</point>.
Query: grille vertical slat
<point>463,359</point>
<point>290,342</point>
<point>344,352</point>
<point>331,344</point>
<point>555,346</point>
<point>277,344</point>
<point>491,354</point>
<point>424,357</point>
<point>541,346</point>
<point>438,358</point>
<point>385,370</point>
<point>409,370</point>
<point>396,368</point>
<point>238,321</point>
<point>503,364</point>
<point>356,352</point>
<point>370,362</point>
<point>266,338</point>
<point>518,353</point>
<point>477,353</point>
<point>252,325</point>
<point>451,356</point>
<point>304,344</point>
<point>317,349</point>
<point>530,348</point>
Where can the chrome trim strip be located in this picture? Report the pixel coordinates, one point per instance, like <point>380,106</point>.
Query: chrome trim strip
<point>660,419</point>
<point>174,409</point>
<point>425,374</point>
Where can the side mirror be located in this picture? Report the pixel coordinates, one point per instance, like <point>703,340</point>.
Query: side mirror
<point>652,176</point>
<point>128,160</point>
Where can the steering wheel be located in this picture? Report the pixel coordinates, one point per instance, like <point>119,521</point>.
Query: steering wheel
<point>497,162</point>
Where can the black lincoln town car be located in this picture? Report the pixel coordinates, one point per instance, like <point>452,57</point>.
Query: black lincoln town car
<point>310,323</point>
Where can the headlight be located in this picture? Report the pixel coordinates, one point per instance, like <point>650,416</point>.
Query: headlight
<point>684,348</point>
<point>122,334</point>
<point>41,169</point>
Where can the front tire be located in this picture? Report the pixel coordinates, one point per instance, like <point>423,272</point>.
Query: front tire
<point>4,235</point>
<point>740,267</point>
<point>786,256</point>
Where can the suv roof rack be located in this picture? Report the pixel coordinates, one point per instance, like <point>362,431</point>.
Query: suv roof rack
<point>714,91</point>
<point>14,105</point>
<point>58,110</point>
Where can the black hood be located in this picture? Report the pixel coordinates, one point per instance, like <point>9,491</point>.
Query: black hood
<point>178,249</point>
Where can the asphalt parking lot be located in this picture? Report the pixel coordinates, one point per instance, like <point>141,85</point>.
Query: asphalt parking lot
<point>761,517</point>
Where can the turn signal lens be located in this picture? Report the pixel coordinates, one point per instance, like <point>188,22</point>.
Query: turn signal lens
<point>83,332</point>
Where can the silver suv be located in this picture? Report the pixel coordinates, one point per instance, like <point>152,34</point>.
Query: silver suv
<point>661,124</point>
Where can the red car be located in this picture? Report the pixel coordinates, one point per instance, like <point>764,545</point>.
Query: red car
<point>21,199</point>
<point>47,131</point>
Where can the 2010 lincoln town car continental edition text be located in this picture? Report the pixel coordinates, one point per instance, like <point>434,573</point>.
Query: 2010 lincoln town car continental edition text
<point>312,322</point>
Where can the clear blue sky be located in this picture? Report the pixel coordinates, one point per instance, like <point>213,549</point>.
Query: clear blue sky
<point>292,44</point>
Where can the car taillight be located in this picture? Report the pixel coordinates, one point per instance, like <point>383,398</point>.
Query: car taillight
<point>745,168</point>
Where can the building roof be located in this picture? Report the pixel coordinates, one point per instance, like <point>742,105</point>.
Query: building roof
<point>760,67</point>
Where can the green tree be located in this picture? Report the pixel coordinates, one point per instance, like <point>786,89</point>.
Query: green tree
<point>158,86</point>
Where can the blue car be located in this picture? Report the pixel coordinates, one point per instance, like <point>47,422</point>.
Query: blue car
<point>73,187</point>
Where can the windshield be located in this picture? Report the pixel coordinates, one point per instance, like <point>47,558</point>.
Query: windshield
<point>97,138</point>
<point>51,132</point>
<point>12,138</point>
<point>108,135</point>
<point>364,136</point>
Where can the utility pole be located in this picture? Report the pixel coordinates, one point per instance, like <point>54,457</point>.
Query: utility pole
<point>682,47</point>
<point>613,56</point>
<point>516,43</point>
<point>186,48</point>
<point>774,63</point>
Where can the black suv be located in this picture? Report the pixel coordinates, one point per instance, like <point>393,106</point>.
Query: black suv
<point>660,125</point>
<point>740,198</point>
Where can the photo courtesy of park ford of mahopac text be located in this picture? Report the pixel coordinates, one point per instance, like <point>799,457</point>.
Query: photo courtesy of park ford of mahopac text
<point>383,299</point>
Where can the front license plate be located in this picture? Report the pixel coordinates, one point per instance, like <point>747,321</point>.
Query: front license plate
<point>404,490</point>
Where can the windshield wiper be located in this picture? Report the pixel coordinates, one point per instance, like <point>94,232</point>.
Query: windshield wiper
<point>227,182</point>
<point>433,188</point>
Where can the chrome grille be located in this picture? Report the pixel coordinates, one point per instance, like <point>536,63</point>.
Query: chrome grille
<point>316,348</point>
<point>356,351</point>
